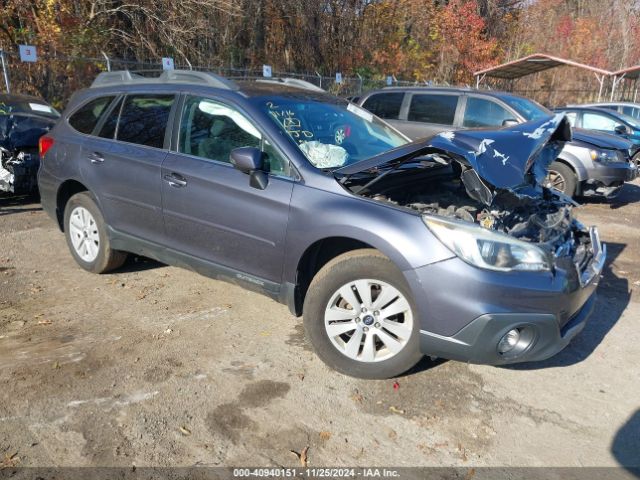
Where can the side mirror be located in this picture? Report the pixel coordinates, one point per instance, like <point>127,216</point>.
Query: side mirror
<point>250,160</point>
<point>621,130</point>
<point>510,122</point>
<point>246,159</point>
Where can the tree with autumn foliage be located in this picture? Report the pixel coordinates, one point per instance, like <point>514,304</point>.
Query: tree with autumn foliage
<point>421,40</point>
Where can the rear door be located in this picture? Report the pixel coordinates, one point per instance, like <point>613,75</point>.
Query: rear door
<point>122,162</point>
<point>426,114</point>
<point>210,210</point>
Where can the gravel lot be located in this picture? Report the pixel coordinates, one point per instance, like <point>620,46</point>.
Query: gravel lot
<point>153,365</point>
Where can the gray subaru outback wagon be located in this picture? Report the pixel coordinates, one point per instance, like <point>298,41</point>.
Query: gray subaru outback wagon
<point>389,249</point>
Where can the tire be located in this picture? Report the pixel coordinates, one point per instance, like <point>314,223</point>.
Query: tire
<point>93,252</point>
<point>379,352</point>
<point>562,178</point>
<point>636,159</point>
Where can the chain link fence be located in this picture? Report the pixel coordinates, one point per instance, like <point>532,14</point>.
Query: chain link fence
<point>56,77</point>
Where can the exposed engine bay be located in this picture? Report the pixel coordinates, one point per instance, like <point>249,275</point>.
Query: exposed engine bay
<point>437,189</point>
<point>494,179</point>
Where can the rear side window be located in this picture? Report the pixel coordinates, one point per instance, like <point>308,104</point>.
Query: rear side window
<point>144,118</point>
<point>385,105</point>
<point>86,118</point>
<point>572,117</point>
<point>484,113</point>
<point>439,109</point>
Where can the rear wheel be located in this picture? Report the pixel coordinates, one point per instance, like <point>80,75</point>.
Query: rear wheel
<point>562,178</point>
<point>360,317</point>
<point>86,234</point>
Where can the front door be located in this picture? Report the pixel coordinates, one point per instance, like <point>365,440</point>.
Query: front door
<point>210,210</point>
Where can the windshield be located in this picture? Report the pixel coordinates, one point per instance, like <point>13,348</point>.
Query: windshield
<point>529,109</point>
<point>331,135</point>
<point>633,122</point>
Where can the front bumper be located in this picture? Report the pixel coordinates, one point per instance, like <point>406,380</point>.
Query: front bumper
<point>477,342</point>
<point>465,311</point>
<point>607,179</point>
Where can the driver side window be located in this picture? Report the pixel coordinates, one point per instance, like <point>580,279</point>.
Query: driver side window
<point>484,113</point>
<point>211,130</point>
<point>594,121</point>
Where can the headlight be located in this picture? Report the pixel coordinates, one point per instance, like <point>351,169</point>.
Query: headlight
<point>604,156</point>
<point>487,249</point>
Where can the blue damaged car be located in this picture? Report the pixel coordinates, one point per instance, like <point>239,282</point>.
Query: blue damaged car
<point>390,250</point>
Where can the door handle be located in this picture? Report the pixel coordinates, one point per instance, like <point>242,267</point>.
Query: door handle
<point>175,180</point>
<point>95,157</point>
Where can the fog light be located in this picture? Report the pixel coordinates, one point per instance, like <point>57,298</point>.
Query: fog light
<point>509,341</point>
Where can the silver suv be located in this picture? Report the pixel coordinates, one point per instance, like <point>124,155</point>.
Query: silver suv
<point>591,164</point>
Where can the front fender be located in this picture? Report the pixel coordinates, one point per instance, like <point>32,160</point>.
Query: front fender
<point>399,234</point>
<point>578,159</point>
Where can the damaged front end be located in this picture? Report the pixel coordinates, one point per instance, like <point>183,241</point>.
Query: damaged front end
<point>481,193</point>
<point>19,159</point>
<point>18,171</point>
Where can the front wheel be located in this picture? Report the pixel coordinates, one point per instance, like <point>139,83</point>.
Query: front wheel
<point>86,234</point>
<point>360,318</point>
<point>561,177</point>
<point>636,160</point>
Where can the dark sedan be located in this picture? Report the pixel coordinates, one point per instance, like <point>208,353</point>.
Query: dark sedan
<point>23,120</point>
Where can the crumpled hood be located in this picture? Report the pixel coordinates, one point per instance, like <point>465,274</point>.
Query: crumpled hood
<point>503,158</point>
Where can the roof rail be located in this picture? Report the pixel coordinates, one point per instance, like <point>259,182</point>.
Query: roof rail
<point>292,82</point>
<point>120,77</point>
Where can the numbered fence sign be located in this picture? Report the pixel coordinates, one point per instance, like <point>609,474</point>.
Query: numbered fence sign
<point>338,77</point>
<point>28,53</point>
<point>167,63</point>
<point>266,70</point>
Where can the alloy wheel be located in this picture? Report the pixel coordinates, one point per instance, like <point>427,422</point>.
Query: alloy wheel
<point>555,180</point>
<point>84,234</point>
<point>368,320</point>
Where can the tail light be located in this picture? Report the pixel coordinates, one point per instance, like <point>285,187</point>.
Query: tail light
<point>44,144</point>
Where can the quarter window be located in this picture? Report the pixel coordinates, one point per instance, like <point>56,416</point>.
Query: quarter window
<point>85,119</point>
<point>385,105</point>
<point>572,117</point>
<point>484,113</point>
<point>439,109</point>
<point>144,118</point>
<point>211,130</point>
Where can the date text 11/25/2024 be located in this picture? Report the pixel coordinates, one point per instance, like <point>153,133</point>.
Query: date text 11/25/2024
<point>315,473</point>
